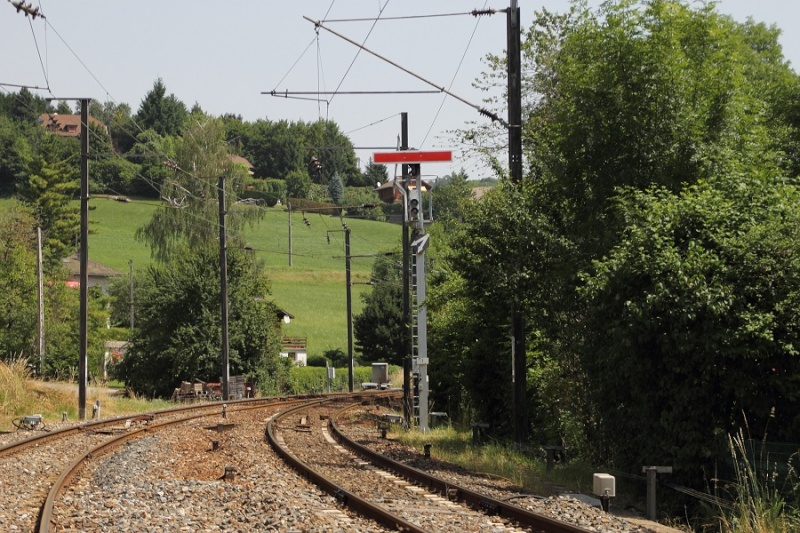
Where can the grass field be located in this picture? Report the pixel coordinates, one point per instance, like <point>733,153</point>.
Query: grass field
<point>313,289</point>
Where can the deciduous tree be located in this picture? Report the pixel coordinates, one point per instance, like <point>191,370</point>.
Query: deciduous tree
<point>178,332</point>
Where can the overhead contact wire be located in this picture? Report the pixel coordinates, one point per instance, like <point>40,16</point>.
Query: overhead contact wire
<point>480,110</point>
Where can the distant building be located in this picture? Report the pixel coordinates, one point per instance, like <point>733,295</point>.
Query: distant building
<point>296,349</point>
<point>98,273</point>
<point>66,125</point>
<point>239,160</point>
<point>388,193</point>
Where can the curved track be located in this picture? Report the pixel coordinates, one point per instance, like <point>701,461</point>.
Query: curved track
<point>36,470</point>
<point>387,491</point>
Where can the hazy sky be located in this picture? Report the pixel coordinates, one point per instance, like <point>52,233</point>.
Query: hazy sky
<point>224,54</point>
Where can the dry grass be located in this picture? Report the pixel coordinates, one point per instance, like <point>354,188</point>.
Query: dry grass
<point>759,506</point>
<point>451,445</point>
<point>20,395</point>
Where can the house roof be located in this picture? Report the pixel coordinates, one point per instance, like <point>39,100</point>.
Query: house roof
<point>73,266</point>
<point>388,194</point>
<point>65,125</point>
<point>479,192</point>
<point>239,160</point>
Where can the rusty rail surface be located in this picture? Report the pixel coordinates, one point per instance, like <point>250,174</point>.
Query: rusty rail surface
<point>522,516</point>
<point>347,498</point>
<point>44,522</point>
<point>45,517</point>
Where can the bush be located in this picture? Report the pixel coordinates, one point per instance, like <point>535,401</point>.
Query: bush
<point>268,191</point>
<point>317,361</point>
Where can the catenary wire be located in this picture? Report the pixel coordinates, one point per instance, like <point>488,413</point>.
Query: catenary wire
<point>453,79</point>
<point>358,52</point>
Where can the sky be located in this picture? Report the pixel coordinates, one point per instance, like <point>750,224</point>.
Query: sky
<point>224,55</point>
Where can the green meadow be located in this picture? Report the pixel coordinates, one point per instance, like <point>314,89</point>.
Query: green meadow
<point>312,289</point>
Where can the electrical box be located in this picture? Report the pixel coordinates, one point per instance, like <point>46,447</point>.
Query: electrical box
<point>602,483</point>
<point>380,373</point>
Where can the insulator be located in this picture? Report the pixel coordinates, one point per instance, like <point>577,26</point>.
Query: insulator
<point>482,12</point>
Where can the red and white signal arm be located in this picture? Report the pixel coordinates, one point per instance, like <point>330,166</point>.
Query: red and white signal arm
<point>412,156</point>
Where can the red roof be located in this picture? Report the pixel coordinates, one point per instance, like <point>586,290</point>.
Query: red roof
<point>66,125</point>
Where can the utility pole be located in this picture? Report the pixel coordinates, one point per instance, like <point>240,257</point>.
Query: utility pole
<point>518,355</point>
<point>289,205</point>
<point>350,377</point>
<point>83,375</point>
<point>130,284</point>
<point>40,275</point>
<point>223,284</point>
<point>83,252</point>
<point>407,410</point>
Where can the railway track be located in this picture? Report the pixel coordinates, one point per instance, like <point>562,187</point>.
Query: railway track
<point>39,473</point>
<point>392,493</point>
<point>195,469</point>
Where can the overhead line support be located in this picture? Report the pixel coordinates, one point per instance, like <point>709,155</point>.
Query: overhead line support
<point>318,24</point>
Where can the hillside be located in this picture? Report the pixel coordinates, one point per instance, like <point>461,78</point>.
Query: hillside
<point>312,289</point>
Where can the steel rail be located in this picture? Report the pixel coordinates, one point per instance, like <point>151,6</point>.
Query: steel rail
<point>345,497</point>
<point>45,436</point>
<point>45,517</point>
<point>475,499</point>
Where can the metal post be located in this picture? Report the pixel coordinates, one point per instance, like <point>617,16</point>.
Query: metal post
<point>519,370</point>
<point>289,205</point>
<point>420,245</point>
<point>223,281</point>
<point>651,492</point>
<point>40,275</point>
<point>349,310</point>
<point>83,375</point>
<point>130,281</point>
<point>406,283</point>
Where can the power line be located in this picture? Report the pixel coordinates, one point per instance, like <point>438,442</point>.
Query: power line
<point>360,48</point>
<point>474,13</point>
<point>490,114</point>
<point>455,74</point>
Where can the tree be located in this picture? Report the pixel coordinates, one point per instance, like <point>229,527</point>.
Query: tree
<point>62,334</point>
<point>117,118</point>
<point>178,333</point>
<point>273,148</point>
<point>379,330</point>
<point>50,185</point>
<point>627,106</point>
<point>110,172</point>
<point>152,152</point>
<point>619,102</point>
<point>15,153</point>
<point>190,215</point>
<point>334,151</point>
<point>18,282</point>
<point>336,189</point>
<point>495,259</point>
<point>696,312</point>
<point>373,175</point>
<point>25,107</point>
<point>298,184</point>
<point>449,194</point>
<point>164,114</point>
